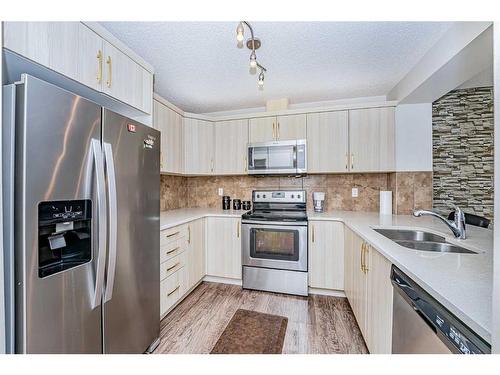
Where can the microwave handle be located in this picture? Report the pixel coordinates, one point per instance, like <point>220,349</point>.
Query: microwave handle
<point>250,158</point>
<point>295,157</point>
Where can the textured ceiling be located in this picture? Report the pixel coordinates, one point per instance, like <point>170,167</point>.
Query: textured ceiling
<point>199,68</point>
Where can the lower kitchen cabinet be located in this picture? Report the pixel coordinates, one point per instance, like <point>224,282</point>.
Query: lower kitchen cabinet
<point>326,255</point>
<point>369,291</point>
<point>379,312</point>
<point>182,262</point>
<point>224,247</point>
<point>196,260</point>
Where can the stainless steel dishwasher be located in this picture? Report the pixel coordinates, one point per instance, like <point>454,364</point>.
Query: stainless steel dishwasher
<point>422,325</point>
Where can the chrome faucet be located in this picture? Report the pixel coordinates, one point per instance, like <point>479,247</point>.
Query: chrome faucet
<point>457,226</point>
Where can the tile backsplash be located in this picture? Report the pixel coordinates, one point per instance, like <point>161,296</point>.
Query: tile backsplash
<point>410,190</point>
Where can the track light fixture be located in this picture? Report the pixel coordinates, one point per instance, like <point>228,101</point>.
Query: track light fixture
<point>252,44</point>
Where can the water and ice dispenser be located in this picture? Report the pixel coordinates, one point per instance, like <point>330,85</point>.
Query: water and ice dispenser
<point>64,235</point>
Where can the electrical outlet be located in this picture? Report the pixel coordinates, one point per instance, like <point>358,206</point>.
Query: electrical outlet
<point>220,191</point>
<point>354,192</point>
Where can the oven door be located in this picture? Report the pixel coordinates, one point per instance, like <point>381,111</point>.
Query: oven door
<point>278,246</point>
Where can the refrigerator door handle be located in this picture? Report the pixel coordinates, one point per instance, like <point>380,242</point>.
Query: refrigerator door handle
<point>102,225</point>
<point>113,220</point>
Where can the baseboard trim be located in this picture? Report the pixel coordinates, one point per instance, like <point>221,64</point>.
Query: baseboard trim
<point>222,280</point>
<point>327,292</point>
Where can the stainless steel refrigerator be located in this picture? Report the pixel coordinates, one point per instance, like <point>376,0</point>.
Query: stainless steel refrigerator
<point>81,208</point>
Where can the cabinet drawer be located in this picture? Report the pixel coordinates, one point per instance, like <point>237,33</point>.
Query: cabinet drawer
<point>173,234</point>
<point>172,249</point>
<point>172,289</point>
<point>172,265</point>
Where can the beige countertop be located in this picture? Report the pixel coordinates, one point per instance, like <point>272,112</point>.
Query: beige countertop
<point>463,283</point>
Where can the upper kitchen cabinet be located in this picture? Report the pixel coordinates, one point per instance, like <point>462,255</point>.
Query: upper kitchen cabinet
<point>126,80</point>
<point>169,123</point>
<point>280,128</point>
<point>199,147</point>
<point>291,127</point>
<point>327,142</point>
<point>78,52</point>
<point>371,140</point>
<point>231,139</point>
<point>70,48</point>
<point>262,129</point>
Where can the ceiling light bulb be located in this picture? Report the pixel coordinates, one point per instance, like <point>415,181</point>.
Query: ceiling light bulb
<point>253,61</point>
<point>239,32</point>
<point>261,79</point>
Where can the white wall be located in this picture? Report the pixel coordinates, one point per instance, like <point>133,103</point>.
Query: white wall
<point>414,137</point>
<point>496,243</point>
<point>2,291</point>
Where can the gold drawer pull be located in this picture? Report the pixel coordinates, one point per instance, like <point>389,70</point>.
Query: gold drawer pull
<point>172,234</point>
<point>175,265</point>
<point>173,291</point>
<point>173,250</point>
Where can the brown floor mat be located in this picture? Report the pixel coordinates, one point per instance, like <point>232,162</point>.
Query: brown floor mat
<point>252,332</point>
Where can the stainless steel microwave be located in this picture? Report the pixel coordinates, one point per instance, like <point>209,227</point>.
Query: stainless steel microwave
<point>278,157</point>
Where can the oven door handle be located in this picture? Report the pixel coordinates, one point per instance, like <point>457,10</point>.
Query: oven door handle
<point>275,223</point>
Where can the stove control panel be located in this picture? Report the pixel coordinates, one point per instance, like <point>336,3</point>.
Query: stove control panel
<point>279,196</point>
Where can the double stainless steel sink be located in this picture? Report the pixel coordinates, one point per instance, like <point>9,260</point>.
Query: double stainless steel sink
<point>420,240</point>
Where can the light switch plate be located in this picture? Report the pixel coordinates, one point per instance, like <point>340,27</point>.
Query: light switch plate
<point>220,191</point>
<point>354,192</point>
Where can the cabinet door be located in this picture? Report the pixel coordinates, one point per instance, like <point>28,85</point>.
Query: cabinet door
<point>326,255</point>
<point>371,139</point>
<point>358,282</point>
<point>69,48</point>
<point>169,123</point>
<point>379,307</point>
<point>262,129</point>
<point>231,139</point>
<point>196,252</point>
<point>224,247</point>
<point>126,80</point>
<point>327,142</point>
<point>291,127</point>
<point>198,147</point>
<point>348,264</point>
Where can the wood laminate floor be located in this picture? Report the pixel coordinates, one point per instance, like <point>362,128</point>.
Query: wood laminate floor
<point>316,324</point>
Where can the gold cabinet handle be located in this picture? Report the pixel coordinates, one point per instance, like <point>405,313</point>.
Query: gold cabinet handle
<point>312,239</point>
<point>246,163</point>
<point>189,234</point>
<point>109,80</point>
<point>173,250</point>
<point>352,161</point>
<point>274,131</point>
<point>278,132</point>
<point>367,249</point>
<point>171,268</point>
<point>173,291</point>
<point>346,161</point>
<point>361,257</point>
<point>172,234</point>
<point>99,66</point>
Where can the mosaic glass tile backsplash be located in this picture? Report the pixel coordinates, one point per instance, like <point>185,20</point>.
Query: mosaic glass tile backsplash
<point>462,138</point>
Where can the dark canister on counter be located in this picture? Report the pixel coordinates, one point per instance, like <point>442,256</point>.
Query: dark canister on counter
<point>246,205</point>
<point>236,204</point>
<point>226,202</point>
